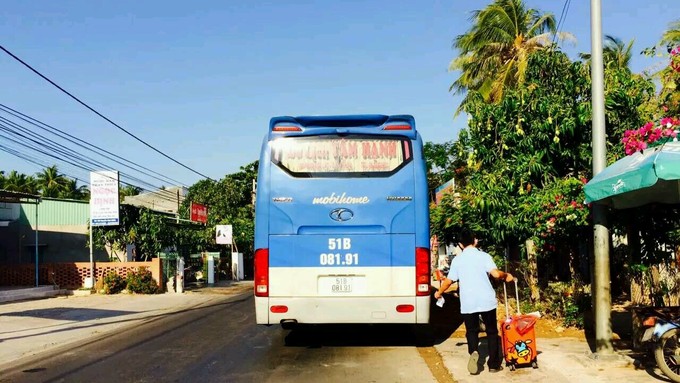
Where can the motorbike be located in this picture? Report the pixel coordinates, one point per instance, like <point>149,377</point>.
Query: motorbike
<point>663,331</point>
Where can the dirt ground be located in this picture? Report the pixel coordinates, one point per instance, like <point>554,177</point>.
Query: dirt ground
<point>546,327</point>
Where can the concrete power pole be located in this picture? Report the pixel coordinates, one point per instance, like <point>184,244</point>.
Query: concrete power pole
<point>601,280</point>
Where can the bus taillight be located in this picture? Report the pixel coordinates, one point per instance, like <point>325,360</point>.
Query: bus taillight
<point>261,266</point>
<point>422,271</point>
<point>397,127</point>
<point>286,128</point>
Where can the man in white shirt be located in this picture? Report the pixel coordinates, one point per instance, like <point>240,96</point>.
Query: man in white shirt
<point>472,268</point>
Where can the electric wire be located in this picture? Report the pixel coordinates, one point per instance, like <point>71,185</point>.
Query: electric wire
<point>37,162</point>
<point>89,146</point>
<point>99,114</point>
<point>37,139</point>
<point>46,142</point>
<point>563,17</point>
<point>170,196</point>
<point>49,148</point>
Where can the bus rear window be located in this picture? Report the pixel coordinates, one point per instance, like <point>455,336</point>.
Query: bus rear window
<point>334,156</point>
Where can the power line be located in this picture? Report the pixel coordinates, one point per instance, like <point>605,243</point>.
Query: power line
<point>45,146</point>
<point>563,17</point>
<point>37,162</point>
<point>99,114</point>
<point>84,144</point>
<point>39,143</point>
<point>49,148</point>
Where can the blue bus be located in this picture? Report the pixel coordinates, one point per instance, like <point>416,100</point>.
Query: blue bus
<point>342,222</point>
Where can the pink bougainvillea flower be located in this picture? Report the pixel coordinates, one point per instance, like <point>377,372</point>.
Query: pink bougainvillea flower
<point>638,139</point>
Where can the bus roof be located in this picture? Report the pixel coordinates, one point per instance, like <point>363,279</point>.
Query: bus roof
<point>361,123</point>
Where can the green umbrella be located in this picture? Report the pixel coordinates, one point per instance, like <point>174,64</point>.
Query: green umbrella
<point>639,179</point>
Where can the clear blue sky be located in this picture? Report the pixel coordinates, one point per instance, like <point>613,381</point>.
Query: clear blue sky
<point>199,80</point>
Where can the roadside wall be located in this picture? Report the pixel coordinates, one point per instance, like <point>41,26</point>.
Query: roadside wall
<point>71,275</point>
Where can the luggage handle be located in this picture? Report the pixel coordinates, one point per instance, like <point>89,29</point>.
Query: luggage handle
<point>505,291</point>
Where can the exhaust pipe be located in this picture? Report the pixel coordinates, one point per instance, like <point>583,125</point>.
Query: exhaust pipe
<point>288,324</point>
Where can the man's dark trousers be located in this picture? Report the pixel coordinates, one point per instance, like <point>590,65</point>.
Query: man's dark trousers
<point>472,335</point>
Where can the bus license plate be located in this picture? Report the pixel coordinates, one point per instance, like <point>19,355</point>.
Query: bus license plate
<point>336,285</point>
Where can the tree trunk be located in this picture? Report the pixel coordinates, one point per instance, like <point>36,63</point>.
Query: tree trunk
<point>533,270</point>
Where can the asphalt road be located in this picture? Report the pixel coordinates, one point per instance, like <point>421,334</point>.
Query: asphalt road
<point>219,342</point>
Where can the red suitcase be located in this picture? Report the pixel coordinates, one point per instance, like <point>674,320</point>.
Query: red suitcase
<point>518,338</point>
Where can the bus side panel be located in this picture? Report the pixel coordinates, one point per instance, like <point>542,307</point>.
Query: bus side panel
<point>262,197</point>
<point>422,211</point>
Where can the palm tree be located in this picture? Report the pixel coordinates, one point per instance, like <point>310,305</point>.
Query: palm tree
<point>71,190</point>
<point>50,182</point>
<point>494,53</point>
<point>128,190</point>
<point>20,183</point>
<point>672,36</point>
<point>2,179</point>
<point>615,53</point>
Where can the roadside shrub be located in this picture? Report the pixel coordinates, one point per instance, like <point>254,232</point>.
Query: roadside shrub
<point>567,302</point>
<point>574,309</point>
<point>112,283</point>
<point>141,281</point>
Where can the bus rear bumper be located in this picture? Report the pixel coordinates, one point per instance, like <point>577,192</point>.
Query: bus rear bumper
<point>318,310</point>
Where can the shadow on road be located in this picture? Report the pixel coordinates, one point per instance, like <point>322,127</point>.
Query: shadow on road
<point>443,322</point>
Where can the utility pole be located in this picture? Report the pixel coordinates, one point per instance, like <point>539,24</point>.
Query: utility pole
<point>601,280</point>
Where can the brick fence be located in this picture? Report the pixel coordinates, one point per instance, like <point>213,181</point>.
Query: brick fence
<point>71,275</point>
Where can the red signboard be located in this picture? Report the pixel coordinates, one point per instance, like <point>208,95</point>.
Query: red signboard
<point>199,213</point>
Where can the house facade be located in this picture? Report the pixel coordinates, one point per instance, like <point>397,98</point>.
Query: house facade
<point>58,227</point>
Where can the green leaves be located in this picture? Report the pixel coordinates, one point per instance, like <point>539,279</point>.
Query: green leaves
<point>229,202</point>
<point>48,183</point>
<point>494,53</point>
<point>527,154</point>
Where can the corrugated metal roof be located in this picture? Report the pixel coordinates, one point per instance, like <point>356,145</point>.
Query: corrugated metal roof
<point>12,196</point>
<point>166,201</point>
<point>56,212</point>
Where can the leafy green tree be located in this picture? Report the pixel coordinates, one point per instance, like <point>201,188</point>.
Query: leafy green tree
<point>151,234</point>
<point>615,53</point>
<point>441,163</point>
<point>529,154</point>
<point>50,182</point>
<point>669,77</point>
<point>494,53</point>
<point>149,231</point>
<point>128,190</point>
<point>71,190</point>
<point>229,202</point>
<point>20,182</point>
<point>671,36</point>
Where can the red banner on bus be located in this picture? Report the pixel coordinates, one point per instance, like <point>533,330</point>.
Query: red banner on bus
<point>199,213</point>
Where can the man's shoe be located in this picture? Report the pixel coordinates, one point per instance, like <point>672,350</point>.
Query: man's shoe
<point>472,366</point>
<point>499,369</point>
